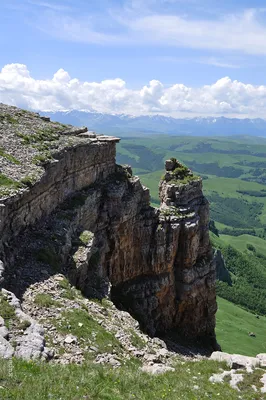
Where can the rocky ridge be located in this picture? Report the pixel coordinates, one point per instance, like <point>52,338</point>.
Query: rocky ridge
<point>46,330</point>
<point>92,219</point>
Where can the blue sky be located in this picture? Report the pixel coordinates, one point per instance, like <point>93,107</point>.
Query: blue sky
<point>186,42</point>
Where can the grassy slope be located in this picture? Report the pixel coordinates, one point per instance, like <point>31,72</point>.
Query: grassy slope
<point>190,381</point>
<point>240,242</point>
<point>20,380</point>
<point>151,180</point>
<point>232,327</point>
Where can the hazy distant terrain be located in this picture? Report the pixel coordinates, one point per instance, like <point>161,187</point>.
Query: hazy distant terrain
<point>129,125</point>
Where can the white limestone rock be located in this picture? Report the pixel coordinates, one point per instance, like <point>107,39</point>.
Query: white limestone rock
<point>262,358</point>
<point>236,361</point>
<point>157,369</point>
<point>6,350</point>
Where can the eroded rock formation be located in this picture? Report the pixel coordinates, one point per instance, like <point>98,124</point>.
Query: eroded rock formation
<point>92,220</point>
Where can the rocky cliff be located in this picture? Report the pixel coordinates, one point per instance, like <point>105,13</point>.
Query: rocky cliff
<point>66,206</point>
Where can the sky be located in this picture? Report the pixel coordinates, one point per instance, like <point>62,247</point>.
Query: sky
<point>171,57</point>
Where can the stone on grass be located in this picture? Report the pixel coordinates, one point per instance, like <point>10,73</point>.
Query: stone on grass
<point>31,345</point>
<point>157,369</point>
<point>262,359</point>
<point>70,339</point>
<point>6,350</point>
<point>235,361</point>
<point>239,361</point>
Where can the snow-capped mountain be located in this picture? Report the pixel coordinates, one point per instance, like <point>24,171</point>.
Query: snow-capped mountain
<point>127,124</point>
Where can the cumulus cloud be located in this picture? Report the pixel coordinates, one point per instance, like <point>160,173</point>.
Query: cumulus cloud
<point>62,92</point>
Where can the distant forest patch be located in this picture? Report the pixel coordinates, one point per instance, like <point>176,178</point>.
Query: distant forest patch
<point>235,212</point>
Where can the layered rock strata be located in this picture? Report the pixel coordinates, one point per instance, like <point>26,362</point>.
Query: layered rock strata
<point>96,221</point>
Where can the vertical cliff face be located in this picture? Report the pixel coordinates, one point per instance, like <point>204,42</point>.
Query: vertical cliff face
<point>96,219</point>
<point>194,269</point>
<point>160,263</point>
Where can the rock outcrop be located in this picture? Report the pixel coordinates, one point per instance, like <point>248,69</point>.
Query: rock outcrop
<point>92,220</point>
<point>241,366</point>
<point>222,273</point>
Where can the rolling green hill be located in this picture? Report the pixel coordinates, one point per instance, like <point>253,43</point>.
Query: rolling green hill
<point>233,325</point>
<point>242,243</point>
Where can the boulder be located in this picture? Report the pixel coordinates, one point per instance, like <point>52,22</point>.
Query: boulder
<point>239,361</point>
<point>169,165</point>
<point>221,357</point>
<point>236,361</point>
<point>262,359</point>
<point>156,369</point>
<point>70,339</point>
<point>6,350</point>
<point>31,345</point>
<point>3,331</point>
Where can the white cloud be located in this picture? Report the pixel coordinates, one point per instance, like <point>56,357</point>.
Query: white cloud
<point>137,23</point>
<point>61,92</point>
<point>218,63</point>
<point>82,29</point>
<point>50,6</point>
<point>241,32</point>
<point>228,62</point>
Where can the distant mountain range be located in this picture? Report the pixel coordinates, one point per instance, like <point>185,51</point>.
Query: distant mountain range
<point>121,124</point>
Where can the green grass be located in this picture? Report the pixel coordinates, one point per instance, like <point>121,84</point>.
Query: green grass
<point>41,135</point>
<point>240,242</point>
<point>80,324</point>
<point>9,157</point>
<point>7,182</point>
<point>29,180</point>
<point>86,236</point>
<point>232,327</point>
<point>42,158</point>
<point>6,310</point>
<point>248,274</point>
<point>8,119</point>
<point>45,300</point>
<point>136,340</point>
<point>151,180</point>
<point>20,380</point>
<point>68,292</point>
